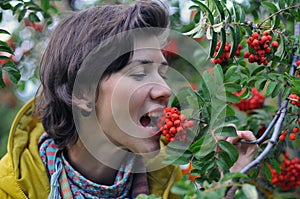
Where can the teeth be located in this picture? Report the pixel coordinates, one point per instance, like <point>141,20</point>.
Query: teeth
<point>154,114</point>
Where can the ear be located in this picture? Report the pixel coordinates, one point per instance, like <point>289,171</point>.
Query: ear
<point>83,104</point>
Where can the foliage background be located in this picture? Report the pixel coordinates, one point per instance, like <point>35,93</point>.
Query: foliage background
<point>15,95</point>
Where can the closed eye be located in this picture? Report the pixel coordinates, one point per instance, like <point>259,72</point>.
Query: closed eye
<point>138,76</point>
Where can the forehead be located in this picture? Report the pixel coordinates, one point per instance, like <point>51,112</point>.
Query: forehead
<point>147,48</point>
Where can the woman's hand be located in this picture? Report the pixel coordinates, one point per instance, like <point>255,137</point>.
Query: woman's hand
<point>246,151</point>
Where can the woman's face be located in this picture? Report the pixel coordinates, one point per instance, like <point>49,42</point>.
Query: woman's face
<point>130,101</point>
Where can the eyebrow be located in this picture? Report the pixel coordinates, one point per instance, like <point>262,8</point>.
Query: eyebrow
<point>146,61</point>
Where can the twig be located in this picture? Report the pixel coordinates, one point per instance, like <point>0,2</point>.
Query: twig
<point>267,131</point>
<point>276,13</point>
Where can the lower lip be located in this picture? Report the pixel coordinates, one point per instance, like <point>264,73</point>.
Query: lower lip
<point>152,132</point>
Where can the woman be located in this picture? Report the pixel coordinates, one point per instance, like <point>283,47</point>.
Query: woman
<point>102,89</point>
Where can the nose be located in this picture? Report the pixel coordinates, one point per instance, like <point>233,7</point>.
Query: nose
<point>160,91</point>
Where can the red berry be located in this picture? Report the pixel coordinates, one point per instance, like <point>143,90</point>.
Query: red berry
<point>266,33</point>
<point>293,136</point>
<point>281,137</point>
<point>255,35</point>
<point>275,44</point>
<point>173,125</point>
<point>295,129</point>
<point>284,132</point>
<point>298,63</point>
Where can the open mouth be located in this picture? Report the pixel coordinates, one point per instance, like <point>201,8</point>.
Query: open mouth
<point>150,120</point>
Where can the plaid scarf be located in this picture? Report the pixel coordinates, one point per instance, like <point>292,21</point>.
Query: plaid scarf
<point>67,183</point>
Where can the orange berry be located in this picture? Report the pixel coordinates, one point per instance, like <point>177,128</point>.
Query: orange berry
<point>281,137</point>
<point>293,136</point>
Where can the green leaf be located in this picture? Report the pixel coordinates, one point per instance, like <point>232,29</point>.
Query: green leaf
<point>2,31</point>
<point>213,43</point>
<point>235,38</point>
<point>257,70</point>
<point>45,4</point>
<point>281,48</point>
<point>229,149</point>
<point>277,22</point>
<point>17,7</point>
<point>2,83</point>
<point>260,84</point>
<point>229,18</point>
<point>5,6</point>
<point>281,4</point>
<point>175,160</point>
<point>249,191</point>
<point>267,172</point>
<point>14,75</point>
<point>242,14</point>
<point>33,17</point>
<point>269,5</point>
<point>231,74</point>
<point>286,92</point>
<point>179,145</point>
<point>218,73</point>
<point>220,9</point>
<point>196,146</point>
<point>230,176</point>
<point>207,10</point>
<point>225,161</point>
<point>214,174</point>
<point>234,42</point>
<point>247,29</point>
<point>277,90</point>
<point>22,15</point>
<point>275,165</point>
<point>205,148</point>
<point>226,131</point>
<point>184,188</point>
<point>236,11</point>
<point>223,43</point>
<point>209,82</point>
<point>232,87</point>
<point>232,98</point>
<point>246,94</point>
<point>4,47</point>
<point>270,88</point>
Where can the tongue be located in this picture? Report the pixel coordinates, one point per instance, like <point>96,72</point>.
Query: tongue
<point>145,121</point>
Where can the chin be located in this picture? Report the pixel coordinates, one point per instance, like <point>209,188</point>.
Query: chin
<point>149,149</point>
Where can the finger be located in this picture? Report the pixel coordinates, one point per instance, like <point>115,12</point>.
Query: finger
<point>246,135</point>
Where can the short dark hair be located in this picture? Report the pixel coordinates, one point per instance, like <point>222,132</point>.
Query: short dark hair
<point>72,40</point>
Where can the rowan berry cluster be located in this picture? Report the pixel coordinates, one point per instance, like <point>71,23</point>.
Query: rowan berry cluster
<point>289,177</point>
<point>260,47</point>
<point>294,99</point>
<point>255,102</point>
<point>174,125</point>
<point>225,56</point>
<point>292,135</point>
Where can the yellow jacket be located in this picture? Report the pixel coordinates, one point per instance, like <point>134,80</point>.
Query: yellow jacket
<point>23,174</point>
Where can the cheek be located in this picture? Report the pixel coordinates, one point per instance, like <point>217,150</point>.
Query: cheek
<point>138,98</point>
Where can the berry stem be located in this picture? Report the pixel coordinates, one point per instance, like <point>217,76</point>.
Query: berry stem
<point>276,13</point>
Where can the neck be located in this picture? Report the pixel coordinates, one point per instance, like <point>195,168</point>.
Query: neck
<point>91,168</point>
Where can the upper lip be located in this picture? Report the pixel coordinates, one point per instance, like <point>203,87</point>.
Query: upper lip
<point>154,114</point>
<point>158,111</point>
